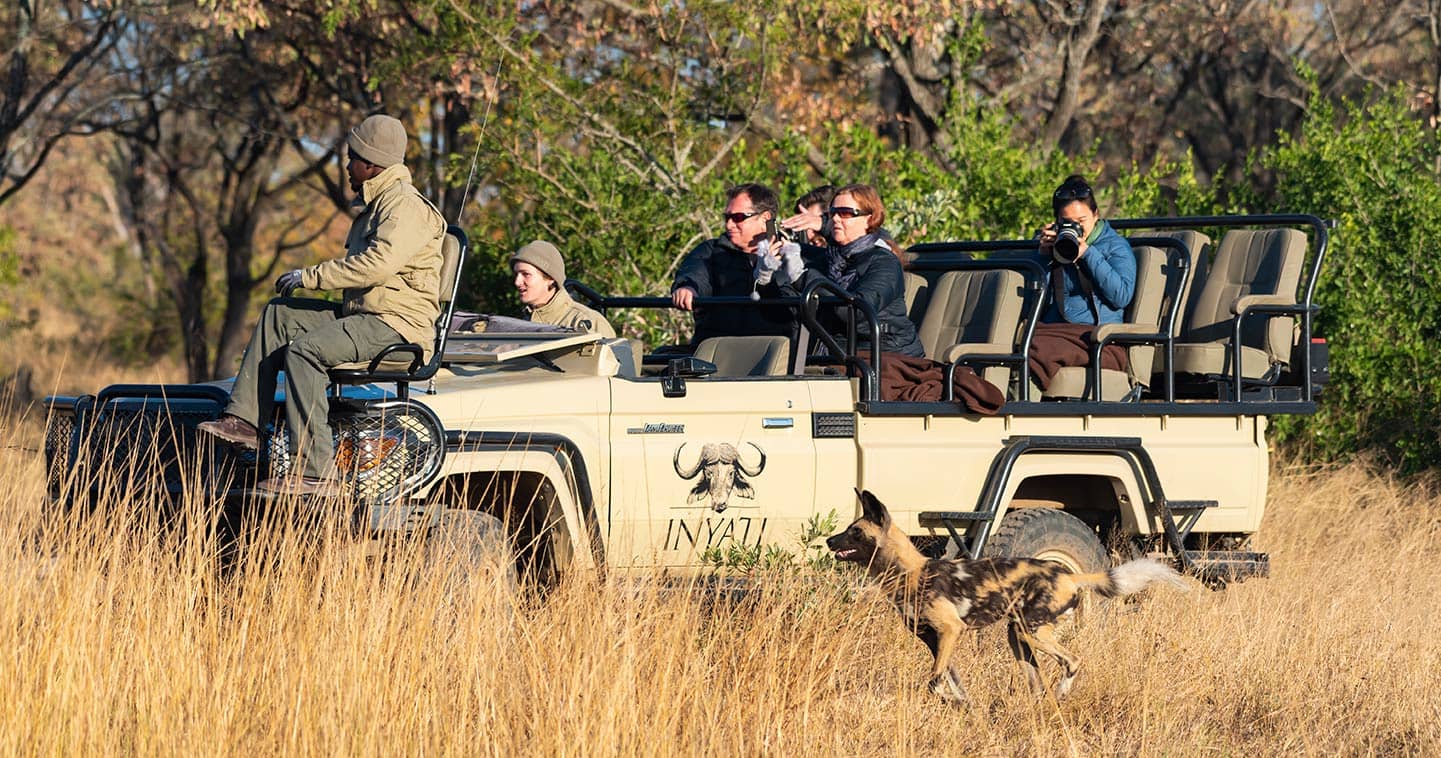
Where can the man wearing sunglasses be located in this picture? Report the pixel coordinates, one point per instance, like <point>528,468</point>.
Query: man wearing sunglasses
<point>725,267</point>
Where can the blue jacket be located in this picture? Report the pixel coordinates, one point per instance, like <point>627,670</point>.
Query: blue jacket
<point>1111,266</point>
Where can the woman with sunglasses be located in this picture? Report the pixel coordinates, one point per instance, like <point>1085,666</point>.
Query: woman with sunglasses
<point>858,259</point>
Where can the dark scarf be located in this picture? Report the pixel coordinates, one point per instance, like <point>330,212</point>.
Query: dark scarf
<point>838,260</point>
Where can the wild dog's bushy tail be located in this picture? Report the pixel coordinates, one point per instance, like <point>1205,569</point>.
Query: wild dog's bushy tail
<point>1131,577</point>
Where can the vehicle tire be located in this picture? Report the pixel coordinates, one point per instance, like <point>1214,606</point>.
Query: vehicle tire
<point>469,546</point>
<point>1050,535</point>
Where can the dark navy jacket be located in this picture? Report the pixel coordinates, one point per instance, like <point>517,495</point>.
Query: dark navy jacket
<point>717,268</point>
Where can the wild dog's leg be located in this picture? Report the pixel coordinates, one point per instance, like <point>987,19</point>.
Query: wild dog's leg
<point>943,678</point>
<point>1044,638</point>
<point>1022,651</point>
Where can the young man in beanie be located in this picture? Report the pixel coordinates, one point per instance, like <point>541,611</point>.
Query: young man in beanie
<point>540,282</point>
<point>391,280</point>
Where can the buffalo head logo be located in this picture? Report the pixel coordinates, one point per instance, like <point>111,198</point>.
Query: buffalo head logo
<point>720,469</point>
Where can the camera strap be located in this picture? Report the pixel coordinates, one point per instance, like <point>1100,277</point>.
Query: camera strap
<point>1058,290</point>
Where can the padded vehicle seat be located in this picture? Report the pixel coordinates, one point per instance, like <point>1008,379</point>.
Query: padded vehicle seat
<point>1158,282</point>
<point>403,363</point>
<point>1252,267</point>
<point>974,312</point>
<point>746,356</point>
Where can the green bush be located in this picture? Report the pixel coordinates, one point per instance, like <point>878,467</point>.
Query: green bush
<point>1374,169</point>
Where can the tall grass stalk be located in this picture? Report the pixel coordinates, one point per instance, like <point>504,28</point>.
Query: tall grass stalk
<point>124,634</point>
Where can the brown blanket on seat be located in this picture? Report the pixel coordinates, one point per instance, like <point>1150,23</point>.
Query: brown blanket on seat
<point>921,379</point>
<point>1055,346</point>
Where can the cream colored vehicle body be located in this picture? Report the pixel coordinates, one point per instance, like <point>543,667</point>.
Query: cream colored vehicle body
<point>616,467</point>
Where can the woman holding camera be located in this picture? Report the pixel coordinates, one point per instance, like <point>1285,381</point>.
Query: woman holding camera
<point>861,264</point>
<point>1092,280</point>
<point>1093,270</point>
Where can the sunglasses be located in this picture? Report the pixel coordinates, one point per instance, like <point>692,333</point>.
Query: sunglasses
<point>737,218</point>
<point>1072,193</point>
<point>844,212</point>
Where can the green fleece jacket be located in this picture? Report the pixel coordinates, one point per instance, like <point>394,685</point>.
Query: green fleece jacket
<point>391,267</point>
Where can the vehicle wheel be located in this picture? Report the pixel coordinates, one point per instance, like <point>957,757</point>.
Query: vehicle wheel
<point>1050,535</point>
<point>469,546</point>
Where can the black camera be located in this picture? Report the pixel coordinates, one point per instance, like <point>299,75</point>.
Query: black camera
<point>785,234</point>
<point>1067,247</point>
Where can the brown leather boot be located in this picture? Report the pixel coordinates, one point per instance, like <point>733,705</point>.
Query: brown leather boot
<point>232,429</point>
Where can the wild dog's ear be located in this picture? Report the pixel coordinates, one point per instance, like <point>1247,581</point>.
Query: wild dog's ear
<point>872,509</point>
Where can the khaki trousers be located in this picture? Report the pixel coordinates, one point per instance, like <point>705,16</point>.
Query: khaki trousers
<point>305,338</point>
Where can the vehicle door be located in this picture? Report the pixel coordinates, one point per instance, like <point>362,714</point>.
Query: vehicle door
<point>731,464</point>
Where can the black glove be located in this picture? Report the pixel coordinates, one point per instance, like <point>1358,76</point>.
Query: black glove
<point>288,283</point>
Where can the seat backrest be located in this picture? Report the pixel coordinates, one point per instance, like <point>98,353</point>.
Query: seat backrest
<point>1250,262</point>
<point>1156,278</point>
<point>971,307</point>
<point>918,294</point>
<point>746,356</point>
<point>1198,247</point>
<point>454,247</point>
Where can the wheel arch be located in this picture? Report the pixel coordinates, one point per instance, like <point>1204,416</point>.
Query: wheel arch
<point>1083,484</point>
<point>509,474</point>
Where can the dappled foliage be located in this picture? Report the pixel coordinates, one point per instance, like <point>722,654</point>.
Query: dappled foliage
<point>1374,169</point>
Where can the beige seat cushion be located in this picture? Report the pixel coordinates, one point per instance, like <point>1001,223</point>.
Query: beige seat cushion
<point>974,312</point>
<point>1248,262</point>
<point>1215,358</point>
<point>746,356</point>
<point>397,365</point>
<point>1073,382</point>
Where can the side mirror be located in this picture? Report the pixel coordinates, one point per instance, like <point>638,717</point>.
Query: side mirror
<point>672,382</point>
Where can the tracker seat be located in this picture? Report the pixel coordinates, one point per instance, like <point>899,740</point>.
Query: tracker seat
<point>404,362</point>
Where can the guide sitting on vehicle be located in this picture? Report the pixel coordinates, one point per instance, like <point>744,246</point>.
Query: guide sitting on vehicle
<point>391,279</point>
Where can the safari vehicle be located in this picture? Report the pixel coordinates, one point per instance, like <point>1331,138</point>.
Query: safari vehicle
<point>594,454</point>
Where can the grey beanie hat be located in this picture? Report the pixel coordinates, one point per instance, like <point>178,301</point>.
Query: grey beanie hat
<point>543,256</point>
<point>379,139</point>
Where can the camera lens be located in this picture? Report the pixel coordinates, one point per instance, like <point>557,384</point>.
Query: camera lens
<point>1067,247</point>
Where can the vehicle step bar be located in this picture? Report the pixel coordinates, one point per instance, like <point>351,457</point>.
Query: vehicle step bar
<point>1226,565</point>
<point>953,519</point>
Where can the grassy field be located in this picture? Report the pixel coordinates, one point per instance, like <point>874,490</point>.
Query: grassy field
<point>120,637</point>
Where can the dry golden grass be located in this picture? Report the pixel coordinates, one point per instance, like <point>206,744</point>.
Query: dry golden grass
<point>123,638</point>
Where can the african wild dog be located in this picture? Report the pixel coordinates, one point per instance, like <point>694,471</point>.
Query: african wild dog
<point>940,597</point>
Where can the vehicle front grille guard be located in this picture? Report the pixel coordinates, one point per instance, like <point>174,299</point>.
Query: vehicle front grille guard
<point>144,437</point>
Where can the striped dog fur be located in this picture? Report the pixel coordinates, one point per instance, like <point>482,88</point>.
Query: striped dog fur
<point>939,598</point>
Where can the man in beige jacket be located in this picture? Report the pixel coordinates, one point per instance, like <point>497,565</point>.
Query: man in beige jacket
<point>540,282</point>
<point>391,280</point>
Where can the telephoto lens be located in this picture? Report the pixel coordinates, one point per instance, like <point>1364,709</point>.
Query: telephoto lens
<point>1068,241</point>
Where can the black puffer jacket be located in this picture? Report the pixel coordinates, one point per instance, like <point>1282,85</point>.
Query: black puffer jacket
<point>879,281</point>
<point>717,268</point>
